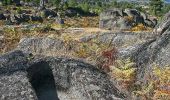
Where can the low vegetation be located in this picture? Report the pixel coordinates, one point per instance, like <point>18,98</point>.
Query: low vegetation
<point>140,27</point>
<point>124,71</point>
<point>157,87</point>
<point>158,81</point>
<point>96,52</point>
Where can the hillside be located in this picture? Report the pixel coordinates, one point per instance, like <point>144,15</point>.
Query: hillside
<point>75,51</point>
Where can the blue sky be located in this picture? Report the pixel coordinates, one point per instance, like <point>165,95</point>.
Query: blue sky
<point>167,0</point>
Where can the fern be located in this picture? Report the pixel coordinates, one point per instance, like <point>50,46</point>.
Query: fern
<point>124,71</point>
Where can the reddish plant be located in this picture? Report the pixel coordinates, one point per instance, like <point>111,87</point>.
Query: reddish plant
<point>110,56</point>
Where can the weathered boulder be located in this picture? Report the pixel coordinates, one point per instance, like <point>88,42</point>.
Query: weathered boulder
<point>108,18</point>
<point>124,19</point>
<point>111,13</point>
<point>53,78</point>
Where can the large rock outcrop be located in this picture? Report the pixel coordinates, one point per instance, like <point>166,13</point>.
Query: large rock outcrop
<point>119,19</point>
<point>36,77</point>
<point>55,46</point>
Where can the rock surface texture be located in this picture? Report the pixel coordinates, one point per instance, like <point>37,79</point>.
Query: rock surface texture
<point>24,76</point>
<point>50,46</point>
<point>43,46</point>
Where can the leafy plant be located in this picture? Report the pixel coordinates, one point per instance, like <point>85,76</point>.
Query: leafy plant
<point>124,72</point>
<point>72,3</point>
<point>109,56</point>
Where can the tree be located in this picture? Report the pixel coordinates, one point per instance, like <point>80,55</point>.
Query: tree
<point>156,6</point>
<point>56,3</point>
<point>85,7</point>
<point>37,1</point>
<point>166,8</point>
<point>6,2</point>
<point>114,3</point>
<point>72,3</point>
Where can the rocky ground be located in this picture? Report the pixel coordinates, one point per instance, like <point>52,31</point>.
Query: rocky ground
<point>43,59</point>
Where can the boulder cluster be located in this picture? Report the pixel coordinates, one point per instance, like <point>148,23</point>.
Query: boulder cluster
<point>17,19</point>
<point>124,19</point>
<point>27,16</point>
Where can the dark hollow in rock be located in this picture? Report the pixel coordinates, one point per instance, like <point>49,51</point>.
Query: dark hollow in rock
<point>42,80</point>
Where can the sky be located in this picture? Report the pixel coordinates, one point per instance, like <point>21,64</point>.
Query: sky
<point>167,0</point>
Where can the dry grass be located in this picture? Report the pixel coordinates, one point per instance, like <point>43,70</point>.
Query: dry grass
<point>141,27</point>
<point>82,22</point>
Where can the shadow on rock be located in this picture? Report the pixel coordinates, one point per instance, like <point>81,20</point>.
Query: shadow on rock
<point>42,80</point>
